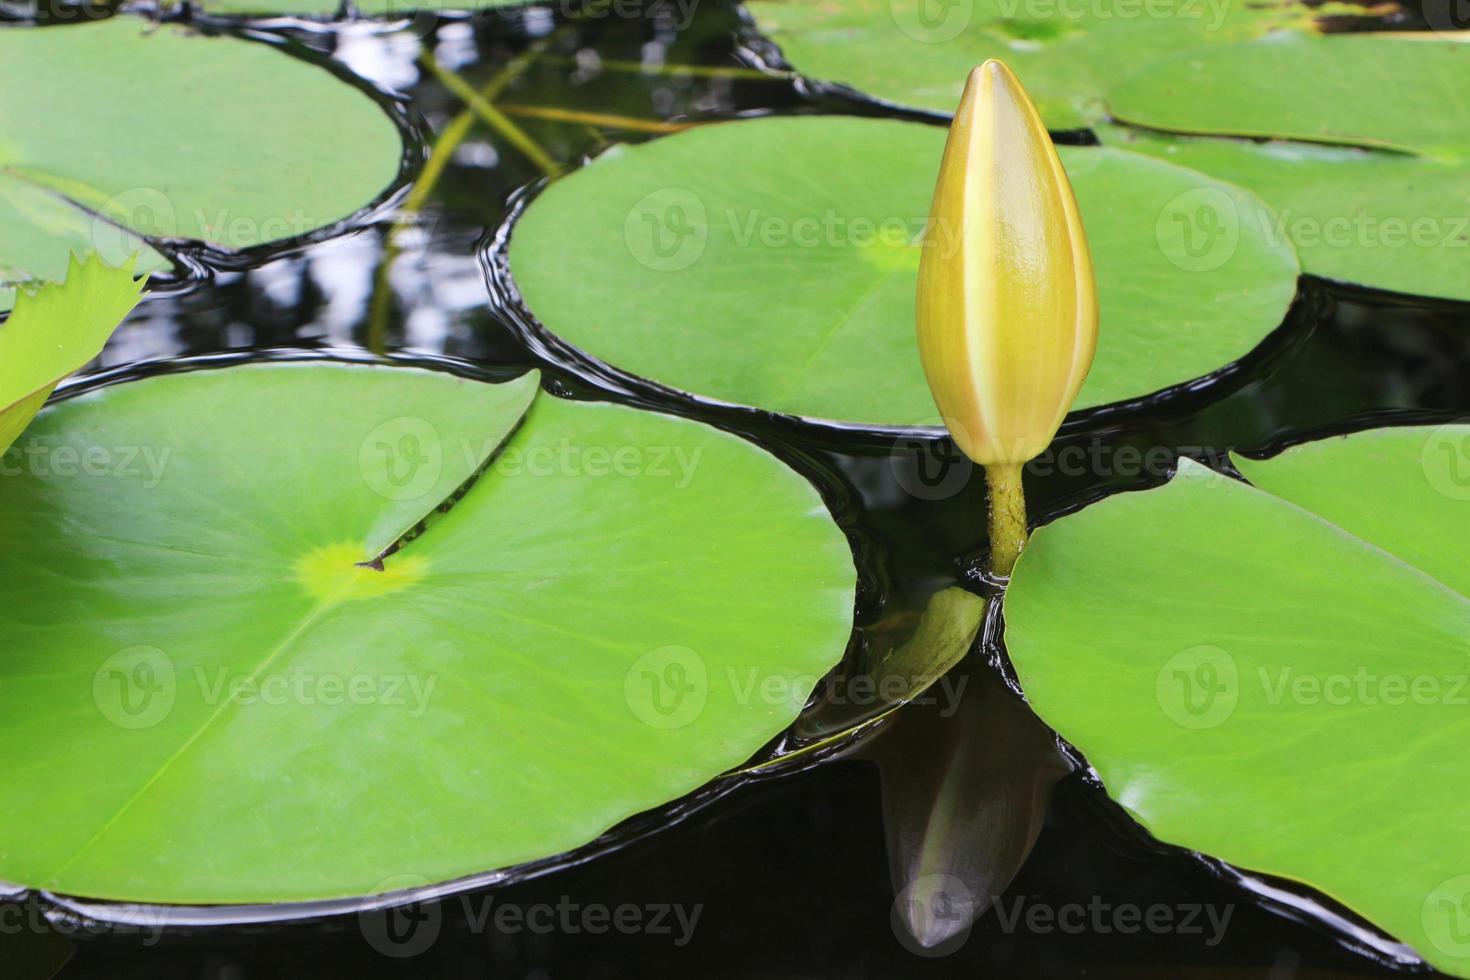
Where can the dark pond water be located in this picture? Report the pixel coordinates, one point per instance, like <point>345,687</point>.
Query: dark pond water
<point>788,874</point>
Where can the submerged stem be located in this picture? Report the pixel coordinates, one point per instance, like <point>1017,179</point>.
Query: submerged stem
<point>1007,516</point>
<point>440,154</point>
<point>609,120</point>
<point>492,116</point>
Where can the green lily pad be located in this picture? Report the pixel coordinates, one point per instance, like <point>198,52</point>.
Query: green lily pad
<point>1371,90</point>
<point>1388,208</point>
<point>55,331</point>
<point>918,52</point>
<point>168,133</point>
<point>1387,220</point>
<point>1276,675</point>
<point>209,700</point>
<point>773,263</point>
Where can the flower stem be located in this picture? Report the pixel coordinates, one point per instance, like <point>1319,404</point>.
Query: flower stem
<point>1007,517</point>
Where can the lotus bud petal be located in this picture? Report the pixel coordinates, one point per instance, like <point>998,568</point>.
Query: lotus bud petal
<point>1007,306</point>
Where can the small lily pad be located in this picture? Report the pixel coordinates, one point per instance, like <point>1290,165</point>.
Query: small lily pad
<point>1276,675</point>
<point>918,53</point>
<point>1386,220</point>
<point>773,263</point>
<point>223,683</point>
<point>55,331</point>
<point>165,132</point>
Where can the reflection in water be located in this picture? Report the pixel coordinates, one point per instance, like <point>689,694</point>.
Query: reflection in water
<point>966,783</point>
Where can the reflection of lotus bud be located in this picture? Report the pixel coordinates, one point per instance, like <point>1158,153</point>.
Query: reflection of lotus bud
<point>1007,309</point>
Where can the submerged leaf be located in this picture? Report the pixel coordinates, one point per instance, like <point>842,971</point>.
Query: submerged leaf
<point>1276,675</point>
<point>54,331</point>
<point>944,633</point>
<point>215,697</point>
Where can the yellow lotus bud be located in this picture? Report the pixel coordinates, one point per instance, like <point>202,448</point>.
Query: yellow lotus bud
<point>1007,307</point>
